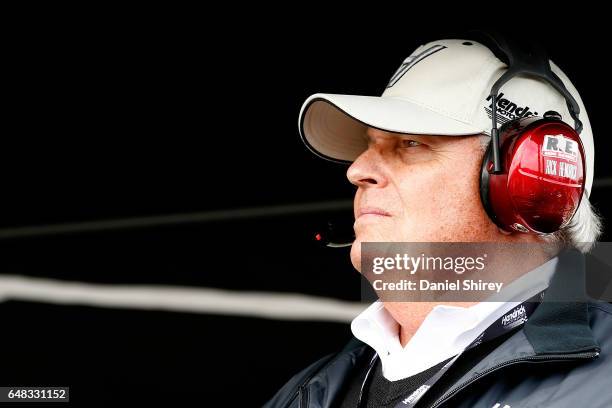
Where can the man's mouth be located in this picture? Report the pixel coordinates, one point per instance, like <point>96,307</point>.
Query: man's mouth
<point>372,212</point>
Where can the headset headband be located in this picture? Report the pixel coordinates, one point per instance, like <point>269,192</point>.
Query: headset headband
<point>535,63</point>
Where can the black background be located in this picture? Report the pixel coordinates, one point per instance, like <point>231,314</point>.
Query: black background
<point>152,113</point>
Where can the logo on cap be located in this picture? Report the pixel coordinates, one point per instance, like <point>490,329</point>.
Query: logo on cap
<point>411,62</point>
<point>507,110</point>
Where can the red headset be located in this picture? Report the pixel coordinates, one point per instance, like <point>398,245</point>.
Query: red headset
<point>533,172</point>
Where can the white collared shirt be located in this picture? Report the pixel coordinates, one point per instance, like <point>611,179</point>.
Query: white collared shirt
<point>446,330</point>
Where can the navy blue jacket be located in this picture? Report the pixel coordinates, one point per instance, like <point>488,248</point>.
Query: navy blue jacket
<point>561,357</point>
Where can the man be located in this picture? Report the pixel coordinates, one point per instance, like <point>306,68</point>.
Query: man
<point>416,156</point>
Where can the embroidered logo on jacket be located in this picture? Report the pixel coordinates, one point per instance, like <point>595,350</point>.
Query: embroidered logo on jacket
<point>515,317</point>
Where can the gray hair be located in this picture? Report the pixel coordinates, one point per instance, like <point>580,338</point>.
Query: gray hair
<point>581,232</point>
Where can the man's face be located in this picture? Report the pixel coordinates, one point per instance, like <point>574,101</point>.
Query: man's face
<point>415,188</point>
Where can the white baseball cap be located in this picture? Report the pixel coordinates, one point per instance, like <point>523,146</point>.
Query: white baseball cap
<point>442,88</point>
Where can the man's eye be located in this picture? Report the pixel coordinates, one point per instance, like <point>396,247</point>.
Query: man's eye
<point>409,143</point>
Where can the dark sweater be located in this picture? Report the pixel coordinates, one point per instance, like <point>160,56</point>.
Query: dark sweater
<point>382,393</point>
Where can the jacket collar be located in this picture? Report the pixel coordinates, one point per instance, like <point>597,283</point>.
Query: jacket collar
<point>560,324</point>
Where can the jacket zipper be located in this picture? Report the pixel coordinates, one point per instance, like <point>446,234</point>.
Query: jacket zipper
<point>549,357</point>
<point>303,397</point>
<point>372,361</point>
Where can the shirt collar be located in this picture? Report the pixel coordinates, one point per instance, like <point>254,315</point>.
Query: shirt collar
<point>446,330</point>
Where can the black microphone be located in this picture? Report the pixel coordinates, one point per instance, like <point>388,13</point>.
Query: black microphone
<point>337,234</point>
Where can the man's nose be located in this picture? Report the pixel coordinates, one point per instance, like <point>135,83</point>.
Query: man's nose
<point>365,170</point>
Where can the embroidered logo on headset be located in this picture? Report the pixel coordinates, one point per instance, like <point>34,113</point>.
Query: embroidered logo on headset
<point>560,153</point>
<point>561,147</point>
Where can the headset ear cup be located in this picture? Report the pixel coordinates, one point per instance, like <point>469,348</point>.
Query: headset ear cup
<point>485,185</point>
<point>489,189</point>
<point>542,178</point>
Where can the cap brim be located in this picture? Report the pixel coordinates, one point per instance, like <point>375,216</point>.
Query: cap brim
<point>333,126</point>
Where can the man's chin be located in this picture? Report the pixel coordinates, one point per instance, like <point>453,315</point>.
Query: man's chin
<point>356,248</point>
<point>356,255</point>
